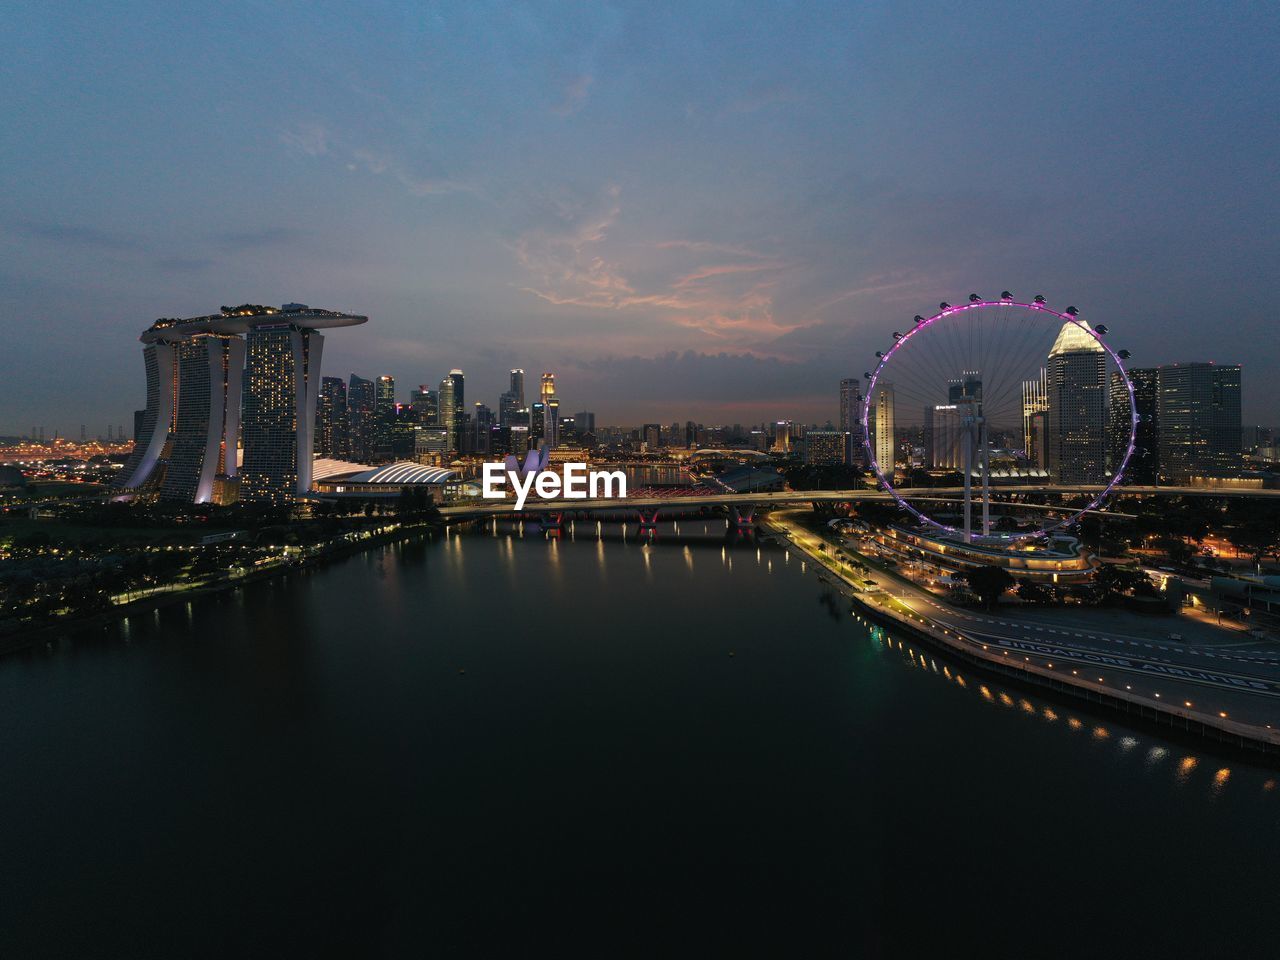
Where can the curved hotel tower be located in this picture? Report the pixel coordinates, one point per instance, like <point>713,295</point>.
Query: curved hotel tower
<point>192,422</point>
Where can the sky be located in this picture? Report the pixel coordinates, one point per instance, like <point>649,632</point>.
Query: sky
<point>708,211</point>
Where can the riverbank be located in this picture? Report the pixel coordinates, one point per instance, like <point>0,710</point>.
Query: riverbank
<point>31,636</point>
<point>1165,715</point>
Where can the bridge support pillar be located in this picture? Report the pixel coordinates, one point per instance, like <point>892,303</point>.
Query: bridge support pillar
<point>552,521</point>
<point>648,518</point>
<point>744,516</point>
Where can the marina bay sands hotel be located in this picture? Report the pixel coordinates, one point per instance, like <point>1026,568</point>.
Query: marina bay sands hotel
<point>250,370</point>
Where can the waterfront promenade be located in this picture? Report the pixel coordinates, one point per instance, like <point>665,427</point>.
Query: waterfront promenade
<point>1229,693</point>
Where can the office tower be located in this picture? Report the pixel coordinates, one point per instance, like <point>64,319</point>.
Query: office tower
<point>825,447</point>
<point>332,418</point>
<point>552,404</point>
<point>782,436</point>
<point>1077,391</point>
<point>518,434</point>
<point>139,417</point>
<point>452,407</point>
<point>651,436</point>
<point>517,388</point>
<point>360,404</point>
<point>1035,399</point>
<point>944,436</point>
<point>426,405</point>
<point>1144,465</point>
<point>885,445</point>
<point>478,425</point>
<point>459,406</point>
<point>586,421</point>
<point>282,374</point>
<point>384,418</point>
<point>538,425</point>
<point>206,427</point>
<point>967,387</point>
<point>851,419</point>
<point>1198,416</point>
<point>404,429</point>
<point>508,407</point>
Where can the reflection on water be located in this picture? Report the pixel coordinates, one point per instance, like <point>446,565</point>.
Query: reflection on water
<point>494,718</point>
<point>1127,743</point>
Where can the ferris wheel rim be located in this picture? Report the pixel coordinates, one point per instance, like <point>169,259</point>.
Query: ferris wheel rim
<point>949,310</point>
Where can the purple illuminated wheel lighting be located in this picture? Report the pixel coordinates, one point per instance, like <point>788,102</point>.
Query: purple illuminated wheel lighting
<point>950,313</point>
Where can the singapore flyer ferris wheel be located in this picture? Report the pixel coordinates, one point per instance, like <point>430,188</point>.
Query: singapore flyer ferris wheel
<point>974,410</point>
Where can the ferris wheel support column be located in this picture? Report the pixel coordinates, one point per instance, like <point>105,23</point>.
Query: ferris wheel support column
<point>968,484</point>
<point>986,477</point>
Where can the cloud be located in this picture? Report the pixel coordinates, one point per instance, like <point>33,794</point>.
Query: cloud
<point>73,235</point>
<point>574,95</point>
<point>578,263</point>
<point>316,140</point>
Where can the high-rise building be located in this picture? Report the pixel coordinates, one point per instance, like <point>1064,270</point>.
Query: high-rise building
<point>207,425</point>
<point>945,437</point>
<point>825,447</point>
<point>885,443</point>
<point>282,375</point>
<point>651,436</point>
<point>157,418</point>
<point>360,404</point>
<point>199,398</point>
<point>384,418</point>
<point>517,387</point>
<point>966,387</point>
<point>1144,465</point>
<point>1035,399</point>
<point>332,418</point>
<point>782,436</point>
<point>1198,416</point>
<point>1077,390</point>
<point>453,412</point>
<point>426,405</point>
<point>851,419</point>
<point>586,421</point>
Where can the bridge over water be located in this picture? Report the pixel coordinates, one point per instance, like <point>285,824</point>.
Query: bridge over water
<point>742,506</point>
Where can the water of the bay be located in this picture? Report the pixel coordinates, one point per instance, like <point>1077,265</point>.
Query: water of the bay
<point>593,746</point>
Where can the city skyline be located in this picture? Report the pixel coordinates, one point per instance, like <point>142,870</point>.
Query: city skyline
<point>791,219</point>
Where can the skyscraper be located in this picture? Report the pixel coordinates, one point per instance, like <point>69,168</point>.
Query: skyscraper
<point>384,418</point>
<point>282,377</point>
<point>332,418</point>
<point>426,405</point>
<point>157,417</point>
<point>360,404</point>
<point>448,412</point>
<point>453,410</point>
<point>552,404</point>
<point>1198,416</point>
<point>1144,465</point>
<point>207,425</point>
<point>851,418</point>
<point>1035,399</point>
<point>885,445</point>
<point>197,393</point>
<point>517,387</point>
<point>280,402</point>
<point>1077,391</point>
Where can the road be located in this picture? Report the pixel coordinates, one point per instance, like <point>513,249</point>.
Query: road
<point>1229,677</point>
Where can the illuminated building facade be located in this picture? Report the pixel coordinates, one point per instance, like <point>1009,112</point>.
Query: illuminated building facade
<point>1198,421</point>
<point>206,427</point>
<point>1035,399</point>
<point>885,446</point>
<point>360,404</point>
<point>1078,400</point>
<point>332,418</point>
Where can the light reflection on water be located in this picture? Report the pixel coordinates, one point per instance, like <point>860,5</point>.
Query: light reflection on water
<point>1128,744</point>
